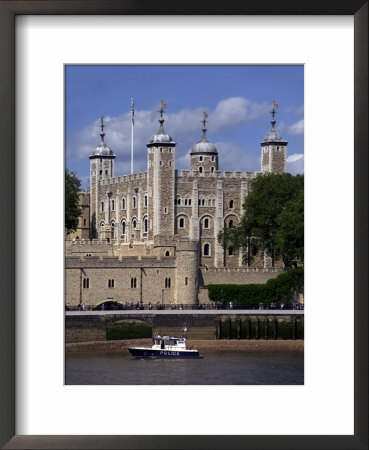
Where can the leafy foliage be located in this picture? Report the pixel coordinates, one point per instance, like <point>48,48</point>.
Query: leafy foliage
<point>72,210</point>
<point>281,289</point>
<point>273,219</point>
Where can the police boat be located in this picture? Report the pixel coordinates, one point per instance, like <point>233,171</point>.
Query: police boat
<point>166,347</point>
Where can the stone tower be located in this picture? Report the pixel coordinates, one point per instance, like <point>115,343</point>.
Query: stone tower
<point>273,149</point>
<point>204,155</point>
<point>161,181</point>
<point>101,168</point>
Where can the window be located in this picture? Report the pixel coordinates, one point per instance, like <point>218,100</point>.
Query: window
<point>203,202</point>
<point>145,200</point>
<point>178,201</point>
<point>167,253</point>
<point>200,158</point>
<point>86,283</point>
<point>230,251</point>
<point>161,149</point>
<point>200,169</point>
<point>161,163</point>
<point>213,158</point>
<point>134,202</point>
<point>123,227</point>
<point>212,170</point>
<point>189,202</point>
<point>167,283</point>
<point>110,283</point>
<point>230,223</point>
<point>186,281</point>
<point>100,172</point>
<point>102,206</point>
<point>145,225</point>
<point>231,204</point>
<point>123,203</point>
<point>84,222</point>
<point>165,210</point>
<point>133,283</point>
<point>185,201</point>
<point>206,223</point>
<point>181,222</point>
<point>102,223</point>
<point>113,205</point>
<point>206,250</point>
<point>134,223</point>
<point>170,163</point>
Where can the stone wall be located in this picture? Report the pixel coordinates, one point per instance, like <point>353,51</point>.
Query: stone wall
<point>237,276</point>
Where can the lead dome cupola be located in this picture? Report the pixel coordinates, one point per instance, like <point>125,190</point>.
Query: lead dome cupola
<point>273,135</point>
<point>102,149</point>
<point>204,146</point>
<point>161,136</point>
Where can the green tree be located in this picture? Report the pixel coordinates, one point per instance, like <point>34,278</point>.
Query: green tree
<point>72,210</point>
<point>290,234</point>
<point>259,227</point>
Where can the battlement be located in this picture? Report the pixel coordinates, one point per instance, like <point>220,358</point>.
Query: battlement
<point>115,262</point>
<point>216,174</point>
<point>124,179</point>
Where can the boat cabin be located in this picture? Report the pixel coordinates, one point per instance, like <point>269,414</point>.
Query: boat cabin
<point>165,342</point>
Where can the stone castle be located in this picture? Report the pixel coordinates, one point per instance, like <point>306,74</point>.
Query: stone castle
<point>152,236</point>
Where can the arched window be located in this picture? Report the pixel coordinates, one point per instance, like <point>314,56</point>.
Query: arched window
<point>167,283</point>
<point>102,223</point>
<point>200,169</point>
<point>231,204</point>
<point>189,202</point>
<point>167,253</point>
<point>102,206</point>
<point>206,250</point>
<point>145,225</point>
<point>230,223</point>
<point>178,201</point>
<point>133,283</point>
<point>206,223</point>
<point>181,222</point>
<point>123,203</point>
<point>200,158</point>
<point>134,223</point>
<point>185,201</point>
<point>123,227</point>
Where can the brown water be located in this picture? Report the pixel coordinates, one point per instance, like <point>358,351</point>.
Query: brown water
<point>216,368</point>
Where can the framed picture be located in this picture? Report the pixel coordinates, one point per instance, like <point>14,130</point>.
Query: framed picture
<point>236,434</point>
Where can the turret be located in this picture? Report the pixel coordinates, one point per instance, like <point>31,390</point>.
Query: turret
<point>273,149</point>
<point>101,168</point>
<point>204,155</point>
<point>161,180</point>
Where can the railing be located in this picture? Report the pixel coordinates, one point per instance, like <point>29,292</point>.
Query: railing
<point>110,306</point>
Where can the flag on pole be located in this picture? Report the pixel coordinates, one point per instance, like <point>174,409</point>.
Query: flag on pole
<point>133,110</point>
<point>275,105</point>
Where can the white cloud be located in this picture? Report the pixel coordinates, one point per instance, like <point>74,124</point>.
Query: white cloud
<point>296,128</point>
<point>294,157</point>
<point>184,127</point>
<point>295,164</point>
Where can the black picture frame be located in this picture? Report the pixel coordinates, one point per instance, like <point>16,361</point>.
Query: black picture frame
<point>8,11</point>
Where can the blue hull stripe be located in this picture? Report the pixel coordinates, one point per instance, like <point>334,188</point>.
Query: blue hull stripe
<point>147,353</point>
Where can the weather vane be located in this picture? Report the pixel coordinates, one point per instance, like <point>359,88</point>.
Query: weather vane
<point>205,116</point>
<point>275,107</point>
<point>102,124</point>
<point>162,107</point>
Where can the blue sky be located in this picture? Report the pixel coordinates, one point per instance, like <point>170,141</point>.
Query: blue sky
<point>238,100</point>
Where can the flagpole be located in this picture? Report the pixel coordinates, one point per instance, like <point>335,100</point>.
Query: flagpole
<point>132,124</point>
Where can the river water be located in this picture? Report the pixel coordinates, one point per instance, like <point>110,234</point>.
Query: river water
<point>216,368</point>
